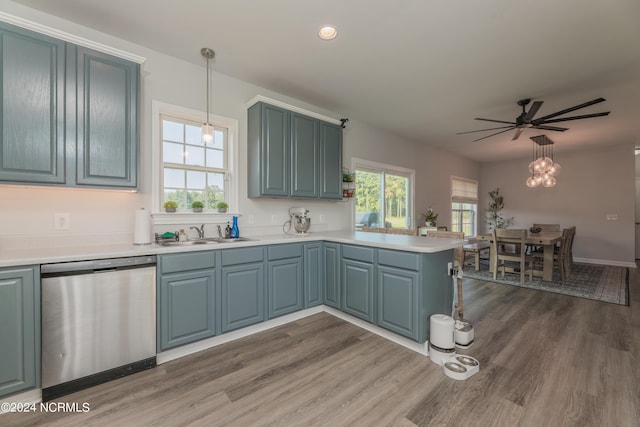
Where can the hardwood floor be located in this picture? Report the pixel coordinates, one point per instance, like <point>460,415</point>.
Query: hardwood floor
<point>546,360</point>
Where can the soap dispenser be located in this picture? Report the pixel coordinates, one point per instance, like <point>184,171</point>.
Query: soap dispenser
<point>235,231</point>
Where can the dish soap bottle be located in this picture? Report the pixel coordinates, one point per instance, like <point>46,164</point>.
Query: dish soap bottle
<point>235,232</point>
<point>227,231</point>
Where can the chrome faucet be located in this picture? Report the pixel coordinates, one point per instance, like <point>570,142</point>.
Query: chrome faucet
<point>199,230</point>
<point>220,232</point>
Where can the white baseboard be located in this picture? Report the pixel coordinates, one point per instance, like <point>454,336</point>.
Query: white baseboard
<point>195,347</point>
<point>628,264</point>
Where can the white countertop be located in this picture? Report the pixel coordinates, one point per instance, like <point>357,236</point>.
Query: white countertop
<point>93,250</point>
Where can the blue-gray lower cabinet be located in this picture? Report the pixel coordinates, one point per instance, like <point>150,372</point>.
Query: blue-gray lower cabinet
<point>313,274</point>
<point>284,284</point>
<point>398,306</point>
<point>358,289</point>
<point>331,261</point>
<point>186,298</point>
<point>19,329</point>
<point>243,287</point>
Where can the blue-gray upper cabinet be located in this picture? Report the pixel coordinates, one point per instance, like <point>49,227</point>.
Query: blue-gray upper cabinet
<point>330,161</point>
<point>269,151</point>
<point>107,119</point>
<point>284,284</point>
<point>292,155</point>
<point>331,260</point>
<point>69,114</point>
<point>32,69</point>
<point>358,281</point>
<point>19,329</point>
<point>243,289</point>
<point>313,274</point>
<point>186,298</point>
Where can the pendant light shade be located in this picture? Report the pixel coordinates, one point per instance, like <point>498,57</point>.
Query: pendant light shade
<point>207,127</point>
<point>543,168</point>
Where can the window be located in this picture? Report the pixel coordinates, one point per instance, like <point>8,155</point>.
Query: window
<point>383,195</point>
<point>192,171</point>
<point>464,206</point>
<point>185,168</point>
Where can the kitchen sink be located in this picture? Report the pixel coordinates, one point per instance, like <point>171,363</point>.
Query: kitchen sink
<point>205,241</point>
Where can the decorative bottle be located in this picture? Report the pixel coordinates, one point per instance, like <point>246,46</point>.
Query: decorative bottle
<point>235,231</point>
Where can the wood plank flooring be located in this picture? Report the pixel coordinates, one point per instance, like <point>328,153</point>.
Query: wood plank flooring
<point>546,360</point>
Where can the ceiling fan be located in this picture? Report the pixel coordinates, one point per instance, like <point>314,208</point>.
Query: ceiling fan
<point>526,119</point>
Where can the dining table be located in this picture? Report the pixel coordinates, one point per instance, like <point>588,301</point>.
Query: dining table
<point>547,240</point>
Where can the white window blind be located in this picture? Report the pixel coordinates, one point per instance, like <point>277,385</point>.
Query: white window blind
<point>464,190</point>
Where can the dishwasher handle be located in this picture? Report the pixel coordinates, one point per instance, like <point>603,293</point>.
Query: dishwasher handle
<point>111,264</point>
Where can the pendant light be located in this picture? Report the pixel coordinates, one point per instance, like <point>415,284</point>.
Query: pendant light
<point>207,127</point>
<point>543,169</point>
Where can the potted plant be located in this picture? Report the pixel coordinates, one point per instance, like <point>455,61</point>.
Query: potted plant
<point>170,206</point>
<point>494,211</point>
<point>430,217</point>
<point>197,206</point>
<point>222,206</point>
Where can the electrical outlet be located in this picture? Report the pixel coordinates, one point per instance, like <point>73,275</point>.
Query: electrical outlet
<point>449,269</point>
<point>274,219</point>
<point>61,221</point>
<point>322,219</point>
<point>251,219</point>
<point>612,217</point>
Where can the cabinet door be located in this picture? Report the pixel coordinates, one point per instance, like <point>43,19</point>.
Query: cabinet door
<point>285,286</point>
<point>32,70</point>
<point>19,330</point>
<point>313,274</point>
<point>357,289</point>
<point>398,301</point>
<point>242,295</point>
<point>187,308</point>
<point>107,120</point>
<point>331,261</point>
<point>330,161</point>
<point>304,156</point>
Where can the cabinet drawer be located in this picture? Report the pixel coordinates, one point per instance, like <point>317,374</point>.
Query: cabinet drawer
<point>242,256</point>
<point>186,261</point>
<point>285,251</point>
<point>359,253</point>
<point>409,261</point>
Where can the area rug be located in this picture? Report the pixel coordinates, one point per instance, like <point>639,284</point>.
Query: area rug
<point>592,281</point>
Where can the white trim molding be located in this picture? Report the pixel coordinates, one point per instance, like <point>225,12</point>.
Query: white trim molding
<point>43,29</point>
<point>606,262</point>
<point>261,98</point>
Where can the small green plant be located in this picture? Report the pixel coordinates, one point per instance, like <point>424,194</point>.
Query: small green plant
<point>170,206</point>
<point>430,217</point>
<point>197,204</point>
<point>222,205</point>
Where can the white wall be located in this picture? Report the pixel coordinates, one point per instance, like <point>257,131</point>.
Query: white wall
<point>27,216</point>
<point>593,183</point>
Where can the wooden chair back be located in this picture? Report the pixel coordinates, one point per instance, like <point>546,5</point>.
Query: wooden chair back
<point>547,227</point>
<point>405,231</point>
<point>503,238</point>
<point>458,253</point>
<point>374,230</point>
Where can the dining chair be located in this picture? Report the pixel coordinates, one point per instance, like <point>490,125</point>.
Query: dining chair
<point>374,230</point>
<point>562,257</point>
<point>458,256</point>
<point>503,240</point>
<point>547,227</point>
<point>405,231</point>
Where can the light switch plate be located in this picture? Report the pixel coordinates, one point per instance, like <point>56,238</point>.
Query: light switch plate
<point>612,217</point>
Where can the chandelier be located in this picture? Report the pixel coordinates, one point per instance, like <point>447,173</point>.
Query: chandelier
<point>542,168</point>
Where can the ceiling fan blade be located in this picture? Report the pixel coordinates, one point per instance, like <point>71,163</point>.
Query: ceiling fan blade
<point>496,121</point>
<point>494,134</point>
<point>565,119</point>
<point>568,110</point>
<point>517,134</point>
<point>543,127</point>
<point>482,130</point>
<point>532,111</point>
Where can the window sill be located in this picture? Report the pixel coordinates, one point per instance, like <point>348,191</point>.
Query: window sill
<point>179,218</point>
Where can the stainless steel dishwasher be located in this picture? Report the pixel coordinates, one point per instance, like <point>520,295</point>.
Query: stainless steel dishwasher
<point>98,322</point>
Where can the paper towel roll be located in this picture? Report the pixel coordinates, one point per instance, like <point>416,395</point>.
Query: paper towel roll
<point>142,227</point>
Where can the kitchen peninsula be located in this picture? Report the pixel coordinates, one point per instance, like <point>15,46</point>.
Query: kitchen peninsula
<point>212,293</point>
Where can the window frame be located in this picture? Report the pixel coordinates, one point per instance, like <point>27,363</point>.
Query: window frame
<point>376,167</point>
<point>160,110</point>
<point>468,198</point>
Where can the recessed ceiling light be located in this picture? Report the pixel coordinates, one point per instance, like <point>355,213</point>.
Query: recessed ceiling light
<point>328,32</point>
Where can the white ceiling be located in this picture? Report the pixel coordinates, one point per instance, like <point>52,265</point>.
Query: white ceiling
<point>420,69</point>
